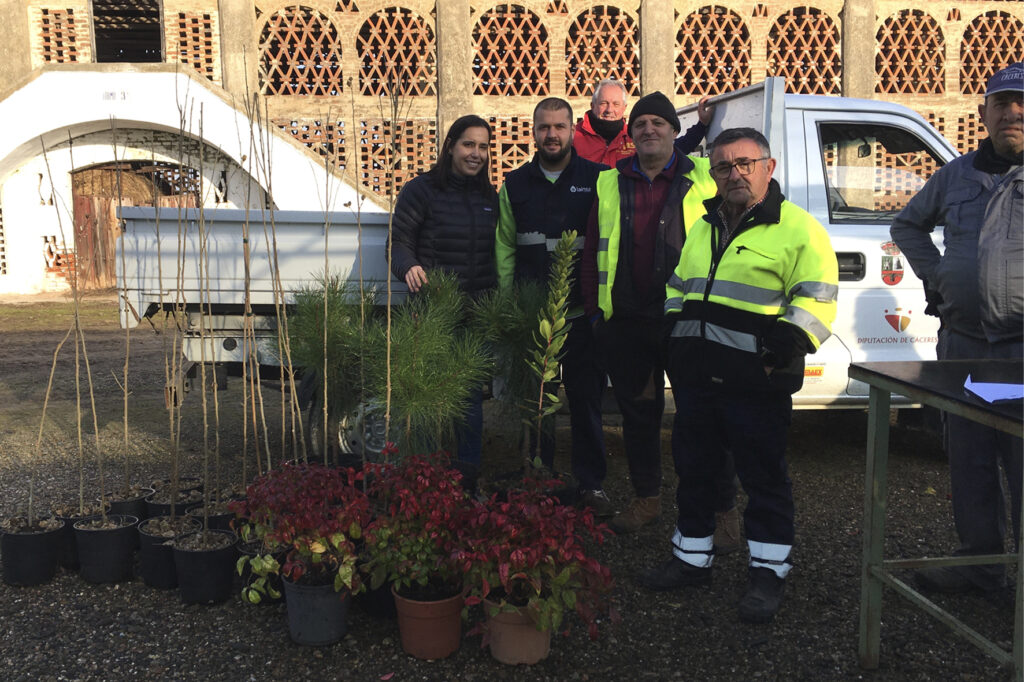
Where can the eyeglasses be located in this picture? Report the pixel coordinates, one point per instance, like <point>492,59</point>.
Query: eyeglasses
<point>744,166</point>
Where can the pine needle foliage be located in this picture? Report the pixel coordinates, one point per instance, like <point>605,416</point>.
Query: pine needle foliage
<point>437,360</point>
<point>348,342</point>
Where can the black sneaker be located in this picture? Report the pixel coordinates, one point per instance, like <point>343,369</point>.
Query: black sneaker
<point>673,574</point>
<point>598,501</point>
<point>763,596</point>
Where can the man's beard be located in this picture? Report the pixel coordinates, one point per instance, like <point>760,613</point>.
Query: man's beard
<point>550,158</point>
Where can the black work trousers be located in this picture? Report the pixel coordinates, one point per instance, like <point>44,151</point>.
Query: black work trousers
<point>632,351</point>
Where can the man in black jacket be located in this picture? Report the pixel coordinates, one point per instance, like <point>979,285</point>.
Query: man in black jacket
<point>540,200</point>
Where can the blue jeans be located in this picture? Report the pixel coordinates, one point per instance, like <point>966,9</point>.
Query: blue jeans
<point>470,432</point>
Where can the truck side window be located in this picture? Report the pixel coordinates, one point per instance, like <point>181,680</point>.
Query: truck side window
<point>872,170</point>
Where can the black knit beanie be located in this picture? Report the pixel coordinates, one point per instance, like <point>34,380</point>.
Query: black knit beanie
<point>657,104</point>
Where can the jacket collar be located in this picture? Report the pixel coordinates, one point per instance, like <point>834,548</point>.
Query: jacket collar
<point>680,163</point>
<point>766,212</point>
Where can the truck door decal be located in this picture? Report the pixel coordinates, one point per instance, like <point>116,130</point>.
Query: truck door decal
<point>892,264</point>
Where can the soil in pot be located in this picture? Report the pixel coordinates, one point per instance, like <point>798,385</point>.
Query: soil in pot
<point>513,637</point>
<point>205,562</point>
<point>106,548</point>
<point>185,484</point>
<point>67,546</point>
<point>131,501</point>
<point>156,550</point>
<point>429,629</point>
<point>317,615</point>
<point>29,550</point>
<point>219,516</point>
<point>159,503</point>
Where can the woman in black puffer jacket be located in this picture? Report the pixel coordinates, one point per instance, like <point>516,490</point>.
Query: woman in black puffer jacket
<point>446,219</point>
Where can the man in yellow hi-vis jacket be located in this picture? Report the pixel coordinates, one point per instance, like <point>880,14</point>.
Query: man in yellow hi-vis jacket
<point>754,291</point>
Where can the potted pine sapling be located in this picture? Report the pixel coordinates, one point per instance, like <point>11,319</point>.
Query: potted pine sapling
<point>437,360</point>
<point>329,336</point>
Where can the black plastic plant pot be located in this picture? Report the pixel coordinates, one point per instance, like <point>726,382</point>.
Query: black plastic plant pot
<point>155,508</point>
<point>317,615</point>
<point>156,553</point>
<point>205,575</point>
<point>30,558</point>
<point>250,550</point>
<point>133,506</point>
<point>217,520</point>
<point>106,554</point>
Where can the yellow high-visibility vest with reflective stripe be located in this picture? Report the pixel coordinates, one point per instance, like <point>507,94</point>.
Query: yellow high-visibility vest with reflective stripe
<point>786,270</point>
<point>609,221</point>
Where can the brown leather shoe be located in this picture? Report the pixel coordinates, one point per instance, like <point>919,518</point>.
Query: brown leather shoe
<point>727,531</point>
<point>641,511</point>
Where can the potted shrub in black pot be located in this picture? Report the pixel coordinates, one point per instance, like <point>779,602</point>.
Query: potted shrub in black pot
<point>316,515</point>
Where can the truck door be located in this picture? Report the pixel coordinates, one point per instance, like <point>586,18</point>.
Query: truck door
<point>861,169</point>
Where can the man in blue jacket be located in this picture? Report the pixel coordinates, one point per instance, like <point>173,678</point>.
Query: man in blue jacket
<point>976,288</point>
<point>540,200</point>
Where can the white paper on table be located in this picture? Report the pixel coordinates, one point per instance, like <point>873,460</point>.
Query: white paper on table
<point>990,392</point>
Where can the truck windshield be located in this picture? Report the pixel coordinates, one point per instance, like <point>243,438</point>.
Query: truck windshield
<point>872,170</point>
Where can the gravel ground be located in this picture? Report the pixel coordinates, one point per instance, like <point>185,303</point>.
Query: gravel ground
<point>72,630</point>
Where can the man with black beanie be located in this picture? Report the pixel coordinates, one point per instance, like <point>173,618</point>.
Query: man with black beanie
<point>635,233</point>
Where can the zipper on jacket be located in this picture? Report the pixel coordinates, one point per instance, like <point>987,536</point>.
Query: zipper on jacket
<point>743,247</point>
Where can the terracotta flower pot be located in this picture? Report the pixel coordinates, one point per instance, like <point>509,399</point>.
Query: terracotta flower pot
<point>429,629</point>
<point>514,638</point>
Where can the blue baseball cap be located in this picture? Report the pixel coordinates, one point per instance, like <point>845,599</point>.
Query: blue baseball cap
<point>1009,79</point>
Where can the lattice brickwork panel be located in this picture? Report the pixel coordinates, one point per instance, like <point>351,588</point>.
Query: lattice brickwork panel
<point>192,42</point>
<point>511,145</point>
<point>59,34</point>
<point>990,42</point>
<point>713,56</point>
<point>898,171</point>
<point>397,54</point>
<point>911,54</point>
<point>803,46</point>
<point>346,6</point>
<point>323,137</point>
<point>969,133</point>
<point>300,54</point>
<point>557,7</point>
<point>510,53</point>
<point>603,42</point>
<point>408,146</point>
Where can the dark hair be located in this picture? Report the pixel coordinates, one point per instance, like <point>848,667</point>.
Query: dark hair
<point>731,135</point>
<point>553,104</point>
<point>442,171</point>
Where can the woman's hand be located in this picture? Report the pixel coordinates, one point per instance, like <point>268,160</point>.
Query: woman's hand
<point>415,278</point>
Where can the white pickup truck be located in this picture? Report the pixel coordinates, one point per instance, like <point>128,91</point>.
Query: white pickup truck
<point>852,163</point>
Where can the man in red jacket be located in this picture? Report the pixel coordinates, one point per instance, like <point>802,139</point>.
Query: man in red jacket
<point>602,136</point>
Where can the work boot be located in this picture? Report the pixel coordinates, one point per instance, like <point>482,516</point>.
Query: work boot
<point>763,596</point>
<point>598,501</point>
<point>641,511</point>
<point>727,531</point>
<point>673,574</point>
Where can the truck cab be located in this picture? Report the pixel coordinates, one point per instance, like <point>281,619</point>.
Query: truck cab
<point>853,164</point>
